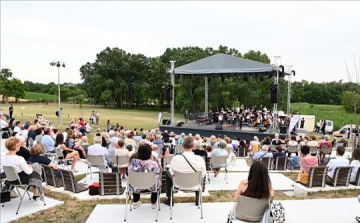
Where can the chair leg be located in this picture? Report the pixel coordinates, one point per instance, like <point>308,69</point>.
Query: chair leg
<point>226,176</point>
<point>21,198</point>
<point>159,199</point>
<point>201,205</point>
<point>171,200</point>
<point>17,189</point>
<point>157,209</point>
<point>42,197</point>
<point>126,203</point>
<point>86,174</point>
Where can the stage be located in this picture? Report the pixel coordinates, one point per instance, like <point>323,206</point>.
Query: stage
<point>207,130</point>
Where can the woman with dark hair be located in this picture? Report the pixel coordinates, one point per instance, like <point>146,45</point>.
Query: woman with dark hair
<point>306,162</point>
<point>258,184</point>
<point>355,163</point>
<point>67,153</point>
<point>144,164</point>
<point>267,141</point>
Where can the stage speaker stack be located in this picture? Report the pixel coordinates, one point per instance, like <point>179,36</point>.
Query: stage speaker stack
<point>283,129</point>
<point>262,129</point>
<point>180,124</point>
<point>274,91</point>
<point>166,121</point>
<point>219,127</point>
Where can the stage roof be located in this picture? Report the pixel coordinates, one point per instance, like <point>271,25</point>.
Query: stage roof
<point>223,64</point>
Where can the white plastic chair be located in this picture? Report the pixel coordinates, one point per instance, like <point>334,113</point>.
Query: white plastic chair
<point>167,159</point>
<point>144,181</point>
<point>249,209</point>
<point>61,158</point>
<point>120,160</point>
<point>95,161</point>
<point>11,175</point>
<point>218,162</point>
<point>187,182</point>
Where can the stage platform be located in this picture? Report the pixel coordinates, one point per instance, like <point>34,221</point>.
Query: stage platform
<point>207,130</point>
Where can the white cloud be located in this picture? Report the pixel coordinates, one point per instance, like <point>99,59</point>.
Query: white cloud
<point>315,37</point>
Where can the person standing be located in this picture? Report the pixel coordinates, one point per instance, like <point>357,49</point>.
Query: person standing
<point>11,110</point>
<point>97,117</point>
<point>302,123</point>
<point>186,116</point>
<point>323,127</point>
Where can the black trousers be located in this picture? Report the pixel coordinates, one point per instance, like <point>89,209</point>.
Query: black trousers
<point>169,185</point>
<point>153,197</point>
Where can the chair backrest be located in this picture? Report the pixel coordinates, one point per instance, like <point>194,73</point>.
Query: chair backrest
<point>59,153</point>
<point>266,161</point>
<point>218,161</point>
<point>317,176</point>
<point>342,176</point>
<point>241,151</point>
<point>292,149</point>
<point>325,149</point>
<point>49,175</point>
<point>179,148</point>
<point>228,149</point>
<point>273,148</point>
<point>168,158</point>
<point>30,142</point>
<point>45,148</point>
<point>120,160</point>
<point>110,184</point>
<point>281,163</point>
<point>68,180</point>
<point>96,160</point>
<point>283,146</point>
<point>313,149</point>
<point>357,179</point>
<point>187,180</point>
<point>11,175</point>
<point>250,209</point>
<point>142,180</point>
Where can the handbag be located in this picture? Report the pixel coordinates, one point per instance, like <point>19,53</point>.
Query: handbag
<point>274,213</point>
<point>302,178</point>
<point>5,196</point>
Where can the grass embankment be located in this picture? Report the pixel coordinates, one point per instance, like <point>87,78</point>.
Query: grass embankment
<point>335,113</point>
<point>35,96</point>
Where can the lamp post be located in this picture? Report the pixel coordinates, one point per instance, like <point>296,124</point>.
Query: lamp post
<point>58,64</point>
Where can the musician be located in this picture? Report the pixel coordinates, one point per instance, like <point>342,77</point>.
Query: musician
<point>267,123</point>
<point>221,116</point>
<point>241,119</point>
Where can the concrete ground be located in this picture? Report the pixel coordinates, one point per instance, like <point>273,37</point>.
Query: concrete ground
<point>296,211</point>
<point>8,213</point>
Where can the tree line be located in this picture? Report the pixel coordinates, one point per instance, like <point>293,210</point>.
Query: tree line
<point>124,80</point>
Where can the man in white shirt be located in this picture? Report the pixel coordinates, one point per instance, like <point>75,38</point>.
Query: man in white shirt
<point>188,162</point>
<point>97,149</point>
<point>334,163</point>
<point>17,127</point>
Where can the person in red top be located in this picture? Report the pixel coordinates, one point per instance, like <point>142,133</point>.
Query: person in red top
<point>325,143</point>
<point>82,127</point>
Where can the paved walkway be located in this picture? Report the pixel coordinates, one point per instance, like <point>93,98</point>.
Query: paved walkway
<point>8,213</point>
<point>297,211</point>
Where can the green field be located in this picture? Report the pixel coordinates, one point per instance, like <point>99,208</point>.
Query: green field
<point>128,118</point>
<point>34,96</point>
<point>335,113</point>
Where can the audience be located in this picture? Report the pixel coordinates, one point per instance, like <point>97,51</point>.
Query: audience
<point>36,157</point>
<point>263,153</point>
<point>219,152</point>
<point>279,153</point>
<point>48,140</point>
<point>67,153</point>
<point>98,149</point>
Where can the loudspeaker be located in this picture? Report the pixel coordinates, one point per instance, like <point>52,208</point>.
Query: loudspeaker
<point>166,121</point>
<point>179,124</point>
<point>283,129</point>
<point>219,127</point>
<point>262,129</point>
<point>274,89</point>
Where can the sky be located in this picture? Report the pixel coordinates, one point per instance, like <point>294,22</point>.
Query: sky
<point>316,38</point>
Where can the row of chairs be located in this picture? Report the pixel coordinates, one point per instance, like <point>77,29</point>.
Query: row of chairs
<point>317,176</point>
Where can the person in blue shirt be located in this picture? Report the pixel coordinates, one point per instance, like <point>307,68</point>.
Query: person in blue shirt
<point>219,152</point>
<point>35,157</point>
<point>48,140</point>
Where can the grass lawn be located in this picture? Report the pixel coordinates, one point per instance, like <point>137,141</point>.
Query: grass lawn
<point>129,118</point>
<point>335,113</point>
<point>39,96</point>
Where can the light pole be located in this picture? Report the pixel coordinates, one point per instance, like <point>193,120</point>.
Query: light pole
<point>58,64</point>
